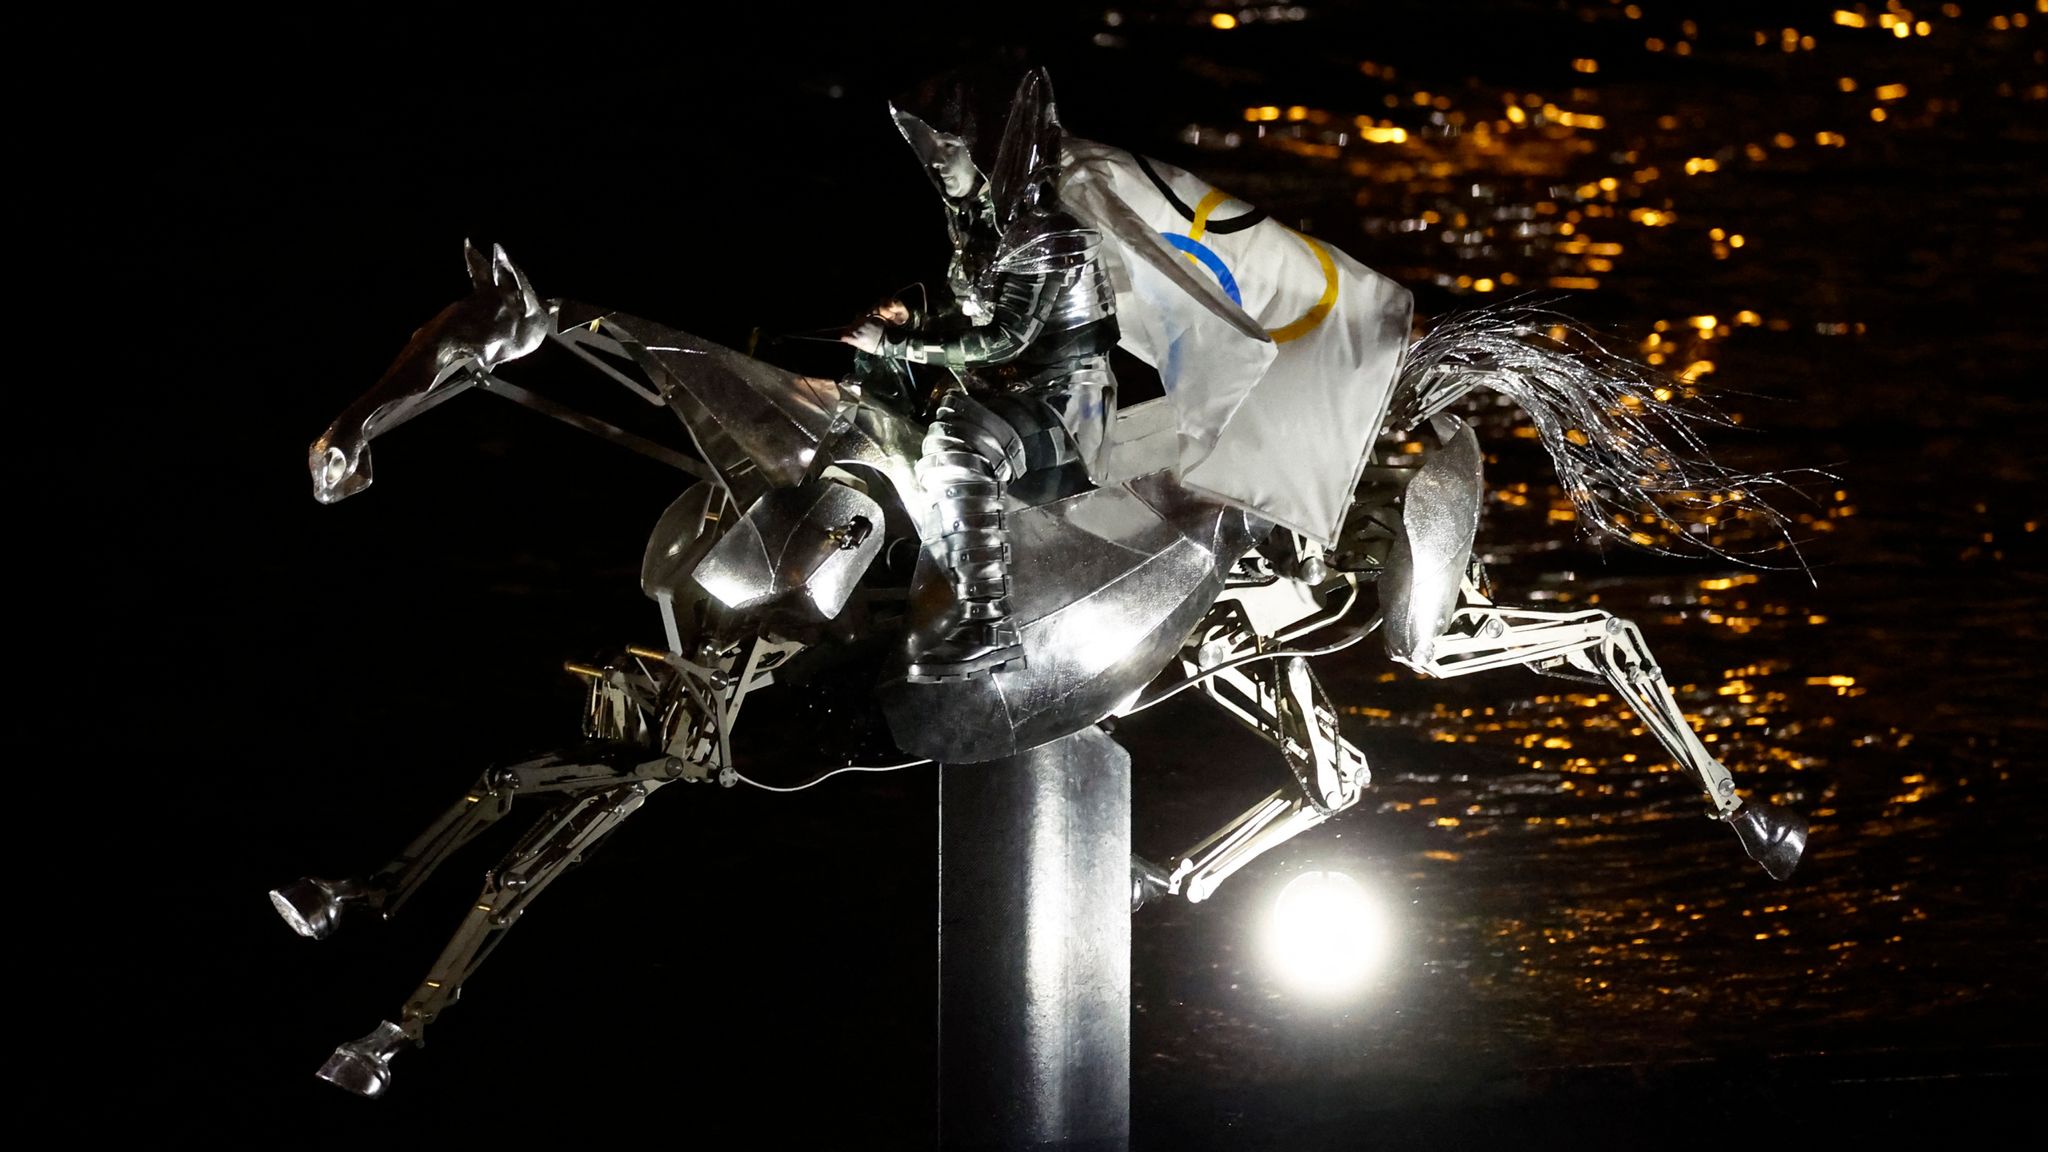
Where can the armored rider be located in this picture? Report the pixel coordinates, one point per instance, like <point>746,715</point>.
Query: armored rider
<point>1026,335</point>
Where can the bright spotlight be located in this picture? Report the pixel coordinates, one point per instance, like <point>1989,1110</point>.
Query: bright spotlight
<point>1327,933</point>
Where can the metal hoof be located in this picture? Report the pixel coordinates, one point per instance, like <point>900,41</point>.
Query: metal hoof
<point>1149,882</point>
<point>1774,837</point>
<point>364,1066</point>
<point>311,906</point>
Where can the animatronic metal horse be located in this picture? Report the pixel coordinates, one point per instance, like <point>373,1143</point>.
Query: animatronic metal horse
<point>807,531</point>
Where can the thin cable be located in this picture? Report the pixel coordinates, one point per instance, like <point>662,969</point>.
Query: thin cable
<point>1317,625</point>
<point>1357,634</point>
<point>814,781</point>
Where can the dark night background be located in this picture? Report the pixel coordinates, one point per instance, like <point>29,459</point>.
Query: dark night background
<point>227,685</point>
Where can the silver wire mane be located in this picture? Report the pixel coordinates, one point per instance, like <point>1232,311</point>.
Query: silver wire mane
<point>1624,438</point>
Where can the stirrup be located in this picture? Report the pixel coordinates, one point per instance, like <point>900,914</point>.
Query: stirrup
<point>958,658</point>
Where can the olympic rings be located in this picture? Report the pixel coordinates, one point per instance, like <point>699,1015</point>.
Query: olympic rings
<point>1191,245</point>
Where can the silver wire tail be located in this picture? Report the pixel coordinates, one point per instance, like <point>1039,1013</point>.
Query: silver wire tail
<point>1624,437</point>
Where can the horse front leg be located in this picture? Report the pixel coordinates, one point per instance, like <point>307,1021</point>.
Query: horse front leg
<point>1227,658</point>
<point>314,906</point>
<point>555,843</point>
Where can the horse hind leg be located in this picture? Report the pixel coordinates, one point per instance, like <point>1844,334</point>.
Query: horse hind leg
<point>1432,547</point>
<point>1484,635</point>
<point>1774,836</point>
<point>557,842</point>
<point>1438,623</point>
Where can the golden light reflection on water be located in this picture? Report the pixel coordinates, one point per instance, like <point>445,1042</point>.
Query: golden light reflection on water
<point>1494,187</point>
<point>1546,846</point>
<point>1568,895</point>
<point>1568,790</point>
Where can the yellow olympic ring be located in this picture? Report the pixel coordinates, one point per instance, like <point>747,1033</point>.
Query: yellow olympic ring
<point>1317,312</point>
<point>1308,321</point>
<point>1210,203</point>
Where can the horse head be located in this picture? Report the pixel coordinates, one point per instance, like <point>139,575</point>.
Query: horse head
<point>501,320</point>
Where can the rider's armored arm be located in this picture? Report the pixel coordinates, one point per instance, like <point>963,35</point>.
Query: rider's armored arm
<point>1020,314</point>
<point>1051,300</point>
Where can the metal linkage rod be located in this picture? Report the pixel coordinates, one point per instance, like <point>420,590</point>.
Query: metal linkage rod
<point>1264,826</point>
<point>582,422</point>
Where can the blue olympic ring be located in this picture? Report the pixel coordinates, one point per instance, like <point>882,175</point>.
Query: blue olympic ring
<point>1209,260</point>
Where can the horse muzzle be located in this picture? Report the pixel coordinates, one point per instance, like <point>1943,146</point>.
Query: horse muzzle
<point>337,475</point>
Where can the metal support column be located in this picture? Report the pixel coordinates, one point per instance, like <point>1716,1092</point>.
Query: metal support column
<point>1035,950</point>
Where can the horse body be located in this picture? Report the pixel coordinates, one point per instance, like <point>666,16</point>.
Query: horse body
<point>1109,579</point>
<point>808,530</point>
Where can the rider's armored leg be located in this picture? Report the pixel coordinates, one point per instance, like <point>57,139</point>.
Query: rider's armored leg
<point>1439,623</point>
<point>970,456</point>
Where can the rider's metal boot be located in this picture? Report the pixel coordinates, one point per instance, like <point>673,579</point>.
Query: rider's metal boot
<point>969,457</point>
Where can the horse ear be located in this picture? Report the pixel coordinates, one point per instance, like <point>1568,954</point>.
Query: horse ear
<point>508,273</point>
<point>479,268</point>
<point>505,276</point>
